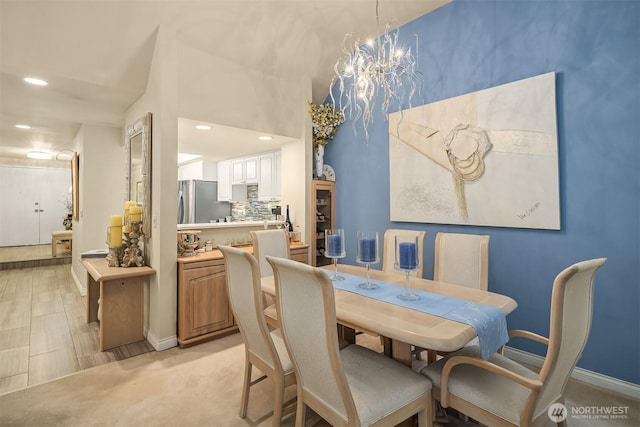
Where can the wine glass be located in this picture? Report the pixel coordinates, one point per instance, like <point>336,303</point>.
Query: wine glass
<point>367,254</point>
<point>334,249</point>
<point>407,260</point>
<point>279,221</point>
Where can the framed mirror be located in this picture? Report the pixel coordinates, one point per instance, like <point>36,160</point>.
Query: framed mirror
<point>138,163</point>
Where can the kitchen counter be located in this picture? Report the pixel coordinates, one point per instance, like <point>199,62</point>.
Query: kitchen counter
<point>216,254</point>
<point>225,225</point>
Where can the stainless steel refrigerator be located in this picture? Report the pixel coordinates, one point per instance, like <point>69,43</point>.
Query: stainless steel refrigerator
<point>198,202</point>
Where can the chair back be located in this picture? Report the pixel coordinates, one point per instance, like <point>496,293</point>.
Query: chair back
<point>389,250</point>
<point>245,296</point>
<point>305,301</point>
<point>462,259</point>
<point>269,243</point>
<point>570,323</point>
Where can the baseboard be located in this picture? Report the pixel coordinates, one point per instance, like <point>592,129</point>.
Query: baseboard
<point>162,344</point>
<point>81,289</point>
<point>593,378</point>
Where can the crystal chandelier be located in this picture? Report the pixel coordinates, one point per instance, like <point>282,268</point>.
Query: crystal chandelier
<point>372,69</point>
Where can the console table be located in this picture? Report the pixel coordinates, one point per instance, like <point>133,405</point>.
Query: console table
<point>121,295</point>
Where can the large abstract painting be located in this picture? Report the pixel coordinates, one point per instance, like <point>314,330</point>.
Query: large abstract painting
<point>485,158</point>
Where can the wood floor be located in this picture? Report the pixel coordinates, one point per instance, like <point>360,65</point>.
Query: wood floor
<point>43,329</point>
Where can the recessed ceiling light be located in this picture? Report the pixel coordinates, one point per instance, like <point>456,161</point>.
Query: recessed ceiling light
<point>40,155</point>
<point>23,126</point>
<point>184,157</point>
<point>203,127</point>
<point>64,155</point>
<point>35,81</point>
<point>265,138</point>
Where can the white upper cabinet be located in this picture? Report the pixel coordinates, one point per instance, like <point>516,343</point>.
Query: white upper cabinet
<point>262,169</point>
<point>244,170</point>
<point>269,179</point>
<point>251,170</point>
<point>224,181</point>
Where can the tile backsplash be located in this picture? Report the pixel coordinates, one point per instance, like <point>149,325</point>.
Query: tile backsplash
<point>253,209</point>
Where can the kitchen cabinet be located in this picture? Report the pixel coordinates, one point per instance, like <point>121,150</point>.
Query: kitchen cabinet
<point>224,181</point>
<point>244,170</point>
<point>269,176</point>
<point>204,311</point>
<point>323,211</point>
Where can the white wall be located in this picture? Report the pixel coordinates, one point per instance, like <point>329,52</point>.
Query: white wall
<point>101,190</point>
<point>268,104</point>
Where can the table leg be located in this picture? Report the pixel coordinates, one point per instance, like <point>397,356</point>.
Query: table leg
<point>347,334</point>
<point>401,352</point>
<point>93,293</point>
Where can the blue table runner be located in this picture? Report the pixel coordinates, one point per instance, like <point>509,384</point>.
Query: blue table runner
<point>489,322</point>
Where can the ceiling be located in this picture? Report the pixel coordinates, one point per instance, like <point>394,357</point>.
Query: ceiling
<point>95,56</point>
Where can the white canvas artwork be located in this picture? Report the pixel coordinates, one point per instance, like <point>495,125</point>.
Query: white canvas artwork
<point>486,158</point>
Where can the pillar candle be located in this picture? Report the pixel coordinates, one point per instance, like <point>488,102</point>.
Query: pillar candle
<point>135,213</point>
<point>115,231</point>
<point>334,245</point>
<point>367,250</point>
<point>407,251</point>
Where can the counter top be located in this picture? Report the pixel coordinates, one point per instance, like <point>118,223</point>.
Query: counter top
<point>216,254</point>
<point>233,224</point>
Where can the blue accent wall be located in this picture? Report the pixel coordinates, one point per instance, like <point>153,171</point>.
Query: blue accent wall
<point>594,48</point>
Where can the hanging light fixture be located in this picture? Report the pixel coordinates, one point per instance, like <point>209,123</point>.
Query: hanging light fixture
<point>372,69</point>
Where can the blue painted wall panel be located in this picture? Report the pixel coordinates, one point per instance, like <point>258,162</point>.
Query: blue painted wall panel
<point>594,47</point>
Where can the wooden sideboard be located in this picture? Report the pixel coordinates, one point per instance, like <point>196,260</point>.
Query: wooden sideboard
<point>204,312</point>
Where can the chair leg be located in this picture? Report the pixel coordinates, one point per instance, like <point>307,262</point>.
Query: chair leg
<point>244,402</point>
<point>301,409</point>
<point>278,401</point>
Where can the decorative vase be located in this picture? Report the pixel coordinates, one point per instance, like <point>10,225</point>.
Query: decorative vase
<point>319,157</point>
<point>68,222</point>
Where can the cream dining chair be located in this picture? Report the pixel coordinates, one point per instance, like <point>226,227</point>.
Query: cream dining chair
<point>264,349</point>
<point>389,250</point>
<point>350,387</point>
<point>270,243</point>
<point>460,259</point>
<point>500,392</point>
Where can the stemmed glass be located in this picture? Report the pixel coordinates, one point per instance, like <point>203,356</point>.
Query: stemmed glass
<point>407,260</point>
<point>279,221</point>
<point>334,249</point>
<point>367,254</point>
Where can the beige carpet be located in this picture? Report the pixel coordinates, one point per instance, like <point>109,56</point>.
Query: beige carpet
<point>198,386</point>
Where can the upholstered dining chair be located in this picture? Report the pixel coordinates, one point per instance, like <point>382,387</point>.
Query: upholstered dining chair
<point>389,255</point>
<point>354,386</point>
<point>264,348</point>
<point>501,392</point>
<point>272,243</point>
<point>460,259</point>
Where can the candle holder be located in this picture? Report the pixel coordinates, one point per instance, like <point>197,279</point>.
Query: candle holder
<point>407,260</point>
<point>114,236</point>
<point>133,256</point>
<point>114,256</point>
<point>334,249</point>
<point>367,254</point>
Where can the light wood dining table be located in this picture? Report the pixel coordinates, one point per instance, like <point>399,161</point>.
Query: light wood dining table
<point>399,326</point>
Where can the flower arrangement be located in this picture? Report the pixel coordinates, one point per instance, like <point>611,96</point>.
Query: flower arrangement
<point>326,121</point>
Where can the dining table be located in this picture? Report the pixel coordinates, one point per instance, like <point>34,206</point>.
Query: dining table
<point>399,326</point>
